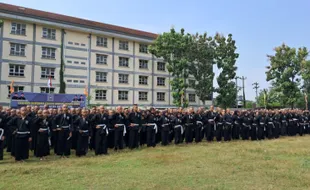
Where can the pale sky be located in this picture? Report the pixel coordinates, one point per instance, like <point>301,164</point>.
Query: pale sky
<point>257,26</point>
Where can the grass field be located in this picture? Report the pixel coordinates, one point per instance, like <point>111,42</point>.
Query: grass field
<point>271,164</point>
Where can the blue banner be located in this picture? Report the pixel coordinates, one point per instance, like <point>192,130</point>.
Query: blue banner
<point>20,99</point>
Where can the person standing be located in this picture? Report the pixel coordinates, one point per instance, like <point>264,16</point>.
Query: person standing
<point>83,133</point>
<point>64,123</point>
<point>134,127</point>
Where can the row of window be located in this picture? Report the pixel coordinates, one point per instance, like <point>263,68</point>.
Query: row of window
<point>124,62</point>
<point>143,96</point>
<point>19,71</point>
<point>50,53</point>
<point>21,89</point>
<point>75,81</point>
<point>123,79</point>
<point>19,50</point>
<point>50,33</point>
<point>76,62</point>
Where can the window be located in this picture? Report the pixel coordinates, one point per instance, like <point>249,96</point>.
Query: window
<point>143,80</point>
<point>48,53</point>
<point>122,95</point>
<point>143,64</point>
<point>69,61</point>
<point>123,45</point>
<point>101,59</point>
<point>160,81</point>
<point>75,81</point>
<point>69,80</point>
<point>143,48</point>
<point>71,43</point>
<point>123,61</point>
<point>101,95</point>
<point>18,29</point>
<point>160,96</point>
<point>161,66</point>
<point>123,78</point>
<point>81,81</point>
<point>191,97</point>
<point>17,70</point>
<point>77,44</point>
<point>83,45</point>
<point>143,96</point>
<point>49,33</point>
<point>191,83</point>
<point>83,63</point>
<point>101,77</point>
<point>17,49</point>
<point>76,62</point>
<point>47,90</point>
<point>16,89</point>
<point>47,72</point>
<point>103,42</point>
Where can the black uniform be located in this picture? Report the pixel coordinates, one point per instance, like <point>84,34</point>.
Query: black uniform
<point>83,133</point>
<point>101,146</point>
<point>64,126</point>
<point>134,119</point>
<point>42,128</point>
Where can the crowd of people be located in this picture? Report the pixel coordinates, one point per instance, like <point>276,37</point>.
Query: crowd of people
<point>63,130</point>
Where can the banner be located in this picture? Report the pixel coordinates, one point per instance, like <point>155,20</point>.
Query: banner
<point>20,99</point>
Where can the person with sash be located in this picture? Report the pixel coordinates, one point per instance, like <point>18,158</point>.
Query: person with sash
<point>64,123</point>
<point>84,131</point>
<point>119,123</point>
<point>102,131</point>
<point>135,125</point>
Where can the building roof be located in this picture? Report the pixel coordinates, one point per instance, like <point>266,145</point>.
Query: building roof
<point>73,20</point>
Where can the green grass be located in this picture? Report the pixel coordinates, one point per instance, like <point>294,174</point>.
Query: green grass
<point>270,164</point>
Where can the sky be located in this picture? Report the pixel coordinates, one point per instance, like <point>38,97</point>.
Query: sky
<point>257,26</point>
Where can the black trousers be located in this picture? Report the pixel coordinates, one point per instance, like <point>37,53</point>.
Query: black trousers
<point>13,145</point>
<point>101,144</point>
<point>198,131</point>
<point>269,129</point>
<point>227,132</point>
<point>254,130</point>
<point>218,132</point>
<point>21,148</point>
<point>82,144</point>
<point>9,142</point>
<point>236,131</point>
<point>189,133</point>
<point>1,149</point>
<point>164,137</point>
<point>54,140</point>
<point>133,141</point>
<point>150,136</point>
<point>74,139</point>
<point>210,131</point>
<point>63,143</point>
<point>178,135</point>
<point>42,146</point>
<point>119,138</point>
<point>284,129</point>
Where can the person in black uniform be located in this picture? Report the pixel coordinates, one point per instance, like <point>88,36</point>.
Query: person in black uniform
<point>42,125</point>
<point>199,125</point>
<point>178,128</point>
<point>119,123</point>
<point>246,125</point>
<point>101,130</point>
<point>190,123</point>
<point>210,124</point>
<point>3,130</point>
<point>22,136</point>
<point>228,125</point>
<point>151,128</point>
<point>22,97</point>
<point>84,133</point>
<point>165,127</point>
<point>64,123</point>
<point>134,119</point>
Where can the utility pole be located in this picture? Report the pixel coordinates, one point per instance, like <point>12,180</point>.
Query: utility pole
<point>237,91</point>
<point>243,89</point>
<point>256,87</point>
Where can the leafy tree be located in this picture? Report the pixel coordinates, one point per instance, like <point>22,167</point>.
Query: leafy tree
<point>284,72</point>
<point>202,60</point>
<point>225,59</point>
<point>174,47</point>
<point>62,84</point>
<point>273,98</point>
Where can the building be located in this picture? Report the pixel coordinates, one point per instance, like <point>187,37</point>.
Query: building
<point>115,59</point>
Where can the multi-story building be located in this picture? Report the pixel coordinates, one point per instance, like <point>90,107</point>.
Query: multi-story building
<point>115,59</point>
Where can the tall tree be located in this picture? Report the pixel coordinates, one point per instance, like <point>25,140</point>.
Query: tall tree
<point>202,60</point>
<point>174,47</point>
<point>225,59</point>
<point>62,84</point>
<point>284,72</point>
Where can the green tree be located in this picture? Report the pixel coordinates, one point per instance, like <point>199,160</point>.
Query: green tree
<point>62,84</point>
<point>225,59</point>
<point>273,98</point>
<point>174,47</point>
<point>202,60</point>
<point>284,72</point>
